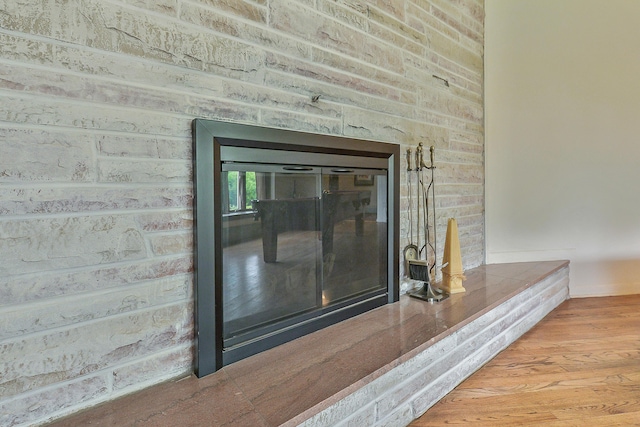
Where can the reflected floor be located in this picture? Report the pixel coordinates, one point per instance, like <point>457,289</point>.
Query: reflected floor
<point>256,292</point>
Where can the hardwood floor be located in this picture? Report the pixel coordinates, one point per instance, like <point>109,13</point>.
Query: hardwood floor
<point>580,366</point>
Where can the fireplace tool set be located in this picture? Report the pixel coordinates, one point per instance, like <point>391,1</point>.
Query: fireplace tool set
<point>416,255</point>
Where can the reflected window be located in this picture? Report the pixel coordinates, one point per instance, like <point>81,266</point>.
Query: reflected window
<point>241,190</point>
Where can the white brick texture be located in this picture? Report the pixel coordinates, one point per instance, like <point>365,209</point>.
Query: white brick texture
<point>97,99</point>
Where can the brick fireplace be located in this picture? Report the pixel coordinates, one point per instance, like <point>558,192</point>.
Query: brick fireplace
<point>97,279</point>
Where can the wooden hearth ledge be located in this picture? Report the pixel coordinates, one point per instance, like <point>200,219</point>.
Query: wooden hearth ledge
<point>385,367</point>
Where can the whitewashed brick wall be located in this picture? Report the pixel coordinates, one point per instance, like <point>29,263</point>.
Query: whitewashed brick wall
<point>97,98</point>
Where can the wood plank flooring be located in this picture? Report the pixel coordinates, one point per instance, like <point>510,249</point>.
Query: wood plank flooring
<point>580,366</point>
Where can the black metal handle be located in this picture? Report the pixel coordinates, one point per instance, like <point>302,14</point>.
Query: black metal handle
<point>297,168</point>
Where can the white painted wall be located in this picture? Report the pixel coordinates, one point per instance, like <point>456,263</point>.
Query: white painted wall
<point>562,94</point>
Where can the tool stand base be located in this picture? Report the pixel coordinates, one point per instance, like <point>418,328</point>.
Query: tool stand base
<point>428,293</point>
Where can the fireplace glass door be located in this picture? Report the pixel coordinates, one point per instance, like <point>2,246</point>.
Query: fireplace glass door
<point>298,242</point>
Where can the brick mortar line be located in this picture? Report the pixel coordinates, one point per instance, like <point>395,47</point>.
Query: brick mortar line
<point>89,322</point>
<point>111,265</point>
<point>5,125</point>
<point>92,213</point>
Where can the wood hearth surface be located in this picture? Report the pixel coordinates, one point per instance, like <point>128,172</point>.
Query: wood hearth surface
<point>314,372</point>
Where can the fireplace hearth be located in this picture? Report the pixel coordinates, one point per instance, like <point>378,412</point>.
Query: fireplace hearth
<point>293,231</point>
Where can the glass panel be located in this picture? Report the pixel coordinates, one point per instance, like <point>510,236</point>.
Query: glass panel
<point>314,240</point>
<point>241,190</point>
<point>272,255</point>
<point>354,233</point>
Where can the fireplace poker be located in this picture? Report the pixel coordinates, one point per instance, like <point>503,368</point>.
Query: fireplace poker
<point>433,203</point>
<point>425,206</point>
<point>410,198</point>
<point>419,165</point>
<point>410,251</point>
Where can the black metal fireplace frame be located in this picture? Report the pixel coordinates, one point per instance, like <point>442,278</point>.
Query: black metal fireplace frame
<point>210,138</point>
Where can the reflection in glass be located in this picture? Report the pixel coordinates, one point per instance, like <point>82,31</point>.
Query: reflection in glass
<point>354,236</point>
<point>306,240</point>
